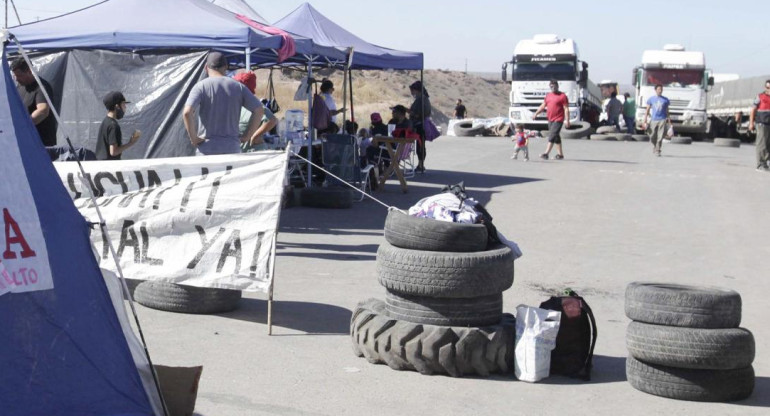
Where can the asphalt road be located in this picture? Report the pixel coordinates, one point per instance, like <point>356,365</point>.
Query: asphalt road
<point>609,214</point>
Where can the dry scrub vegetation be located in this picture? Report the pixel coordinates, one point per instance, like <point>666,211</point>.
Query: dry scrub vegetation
<point>377,91</point>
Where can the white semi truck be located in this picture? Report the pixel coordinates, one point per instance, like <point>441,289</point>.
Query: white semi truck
<point>538,60</point>
<point>685,80</point>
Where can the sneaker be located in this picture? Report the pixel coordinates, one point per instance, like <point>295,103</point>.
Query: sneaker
<point>544,156</point>
<point>515,156</point>
<point>559,157</point>
<point>762,168</point>
<point>526,159</point>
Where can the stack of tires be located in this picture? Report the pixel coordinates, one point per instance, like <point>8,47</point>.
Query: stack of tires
<point>684,343</point>
<point>610,133</point>
<point>443,310</point>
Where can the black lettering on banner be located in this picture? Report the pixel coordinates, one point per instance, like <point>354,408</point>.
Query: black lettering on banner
<point>186,197</point>
<point>146,259</point>
<point>232,248</point>
<point>122,180</point>
<point>177,179</point>
<point>255,258</point>
<point>71,184</point>
<point>105,246</point>
<point>130,196</point>
<point>153,181</point>
<point>101,176</point>
<point>125,241</point>
<point>205,245</point>
<point>214,188</point>
<point>108,200</point>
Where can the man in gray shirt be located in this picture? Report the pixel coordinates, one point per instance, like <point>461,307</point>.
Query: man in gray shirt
<point>219,100</point>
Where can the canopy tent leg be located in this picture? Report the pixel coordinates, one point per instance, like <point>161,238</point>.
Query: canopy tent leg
<point>248,58</point>
<point>352,112</point>
<point>344,95</point>
<point>272,284</point>
<point>310,128</point>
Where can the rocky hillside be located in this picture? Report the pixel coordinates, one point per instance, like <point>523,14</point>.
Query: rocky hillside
<point>376,91</point>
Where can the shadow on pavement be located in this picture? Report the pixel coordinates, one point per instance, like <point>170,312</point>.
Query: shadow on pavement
<point>606,370</point>
<point>600,161</point>
<point>329,251</point>
<point>309,317</point>
<point>761,395</point>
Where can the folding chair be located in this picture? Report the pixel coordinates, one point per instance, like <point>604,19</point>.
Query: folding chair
<point>341,158</point>
<point>406,159</point>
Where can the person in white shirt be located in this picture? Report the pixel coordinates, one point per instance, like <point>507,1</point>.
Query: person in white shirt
<point>327,89</point>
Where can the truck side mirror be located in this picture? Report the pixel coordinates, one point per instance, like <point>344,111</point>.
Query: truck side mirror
<point>583,79</point>
<point>635,77</point>
<point>711,81</point>
<point>505,72</point>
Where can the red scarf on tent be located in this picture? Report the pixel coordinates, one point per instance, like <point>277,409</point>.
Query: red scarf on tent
<point>287,48</point>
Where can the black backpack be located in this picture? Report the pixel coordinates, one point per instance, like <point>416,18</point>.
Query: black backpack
<point>576,339</point>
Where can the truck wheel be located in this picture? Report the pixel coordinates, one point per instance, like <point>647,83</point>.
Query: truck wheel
<point>466,129</point>
<point>681,140</point>
<point>406,231</point>
<point>682,305</point>
<point>695,348</point>
<point>431,349</point>
<point>576,130</point>
<point>445,274</point>
<point>693,385</point>
<point>727,142</point>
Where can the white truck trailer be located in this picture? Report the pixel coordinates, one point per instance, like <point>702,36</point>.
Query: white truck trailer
<point>730,104</point>
<point>685,80</point>
<point>538,60</point>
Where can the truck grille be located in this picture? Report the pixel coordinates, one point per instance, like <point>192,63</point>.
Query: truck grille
<point>679,103</point>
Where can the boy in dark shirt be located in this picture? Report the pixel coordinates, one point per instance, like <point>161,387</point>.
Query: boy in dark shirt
<point>109,143</point>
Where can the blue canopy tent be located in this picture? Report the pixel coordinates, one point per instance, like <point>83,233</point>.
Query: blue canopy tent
<point>63,349</point>
<point>153,51</point>
<point>308,22</point>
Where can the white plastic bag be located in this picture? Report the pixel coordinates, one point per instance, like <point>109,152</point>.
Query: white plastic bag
<point>536,331</point>
<point>670,131</point>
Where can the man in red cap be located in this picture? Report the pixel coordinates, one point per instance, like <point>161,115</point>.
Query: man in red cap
<point>268,121</point>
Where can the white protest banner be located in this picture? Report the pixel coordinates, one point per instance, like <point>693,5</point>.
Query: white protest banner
<point>24,264</point>
<point>205,221</point>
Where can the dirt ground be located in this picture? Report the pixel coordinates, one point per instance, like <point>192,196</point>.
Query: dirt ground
<point>609,214</point>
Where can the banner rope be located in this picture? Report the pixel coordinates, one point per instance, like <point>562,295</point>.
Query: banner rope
<point>355,188</point>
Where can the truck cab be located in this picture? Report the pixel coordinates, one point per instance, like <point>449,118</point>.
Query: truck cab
<point>685,80</point>
<point>535,62</point>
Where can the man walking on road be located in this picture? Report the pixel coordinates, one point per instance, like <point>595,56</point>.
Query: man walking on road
<point>219,100</point>
<point>658,107</point>
<point>760,117</point>
<point>459,110</point>
<point>557,109</point>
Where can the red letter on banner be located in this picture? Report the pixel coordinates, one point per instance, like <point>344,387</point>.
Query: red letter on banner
<point>18,238</point>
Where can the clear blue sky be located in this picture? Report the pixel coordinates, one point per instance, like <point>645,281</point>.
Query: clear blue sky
<point>611,34</point>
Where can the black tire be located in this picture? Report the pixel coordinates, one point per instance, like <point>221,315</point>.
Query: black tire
<point>606,130</point>
<point>576,130</point>
<point>481,311</point>
<point>172,297</point>
<point>132,284</point>
<point>727,142</point>
<point>406,231</point>
<point>443,274</point>
<point>331,197</point>
<point>641,137</point>
<point>681,140</point>
<point>431,349</point>
<point>465,128</point>
<point>681,305</point>
<point>693,385</point>
<point>605,137</point>
<point>694,348</point>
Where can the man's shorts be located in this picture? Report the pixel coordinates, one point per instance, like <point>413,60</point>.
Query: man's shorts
<point>554,130</point>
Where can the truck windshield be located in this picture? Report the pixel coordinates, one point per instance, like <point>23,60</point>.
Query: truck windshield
<point>674,77</point>
<point>544,71</point>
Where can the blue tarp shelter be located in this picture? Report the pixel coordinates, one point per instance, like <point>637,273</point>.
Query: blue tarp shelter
<point>62,349</point>
<point>308,22</point>
<point>153,51</point>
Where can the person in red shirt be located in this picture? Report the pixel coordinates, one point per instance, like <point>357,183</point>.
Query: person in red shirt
<point>760,116</point>
<point>557,108</point>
